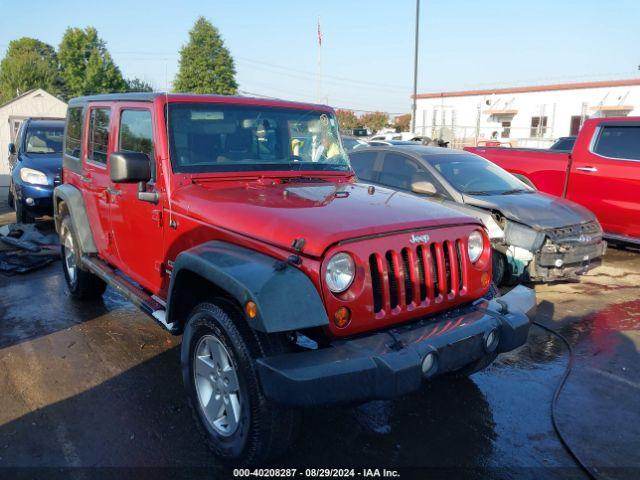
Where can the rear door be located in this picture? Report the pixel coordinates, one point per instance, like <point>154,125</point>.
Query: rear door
<point>95,176</point>
<point>605,176</point>
<point>136,225</point>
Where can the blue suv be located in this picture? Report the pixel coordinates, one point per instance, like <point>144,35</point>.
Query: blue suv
<point>35,161</point>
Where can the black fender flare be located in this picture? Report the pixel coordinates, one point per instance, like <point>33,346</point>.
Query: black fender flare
<point>72,197</point>
<point>286,298</point>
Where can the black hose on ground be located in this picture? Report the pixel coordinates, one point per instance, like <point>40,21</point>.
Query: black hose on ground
<point>554,401</point>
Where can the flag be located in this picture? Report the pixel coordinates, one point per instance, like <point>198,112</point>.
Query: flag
<point>319,33</point>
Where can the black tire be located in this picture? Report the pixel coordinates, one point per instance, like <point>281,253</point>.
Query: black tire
<point>264,430</point>
<point>10,199</point>
<point>498,266</point>
<point>22,216</point>
<point>82,284</point>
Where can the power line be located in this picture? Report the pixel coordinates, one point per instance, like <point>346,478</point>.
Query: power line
<point>261,95</point>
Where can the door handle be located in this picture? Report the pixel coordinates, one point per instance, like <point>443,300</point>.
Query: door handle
<point>113,191</point>
<point>86,179</point>
<point>587,169</point>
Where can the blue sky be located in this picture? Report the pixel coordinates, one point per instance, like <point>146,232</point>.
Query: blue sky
<point>367,52</point>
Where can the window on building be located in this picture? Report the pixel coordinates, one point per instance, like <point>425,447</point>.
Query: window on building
<point>506,130</point>
<point>619,142</point>
<point>73,139</point>
<point>538,127</point>
<point>99,135</point>
<point>576,123</point>
<point>136,134</point>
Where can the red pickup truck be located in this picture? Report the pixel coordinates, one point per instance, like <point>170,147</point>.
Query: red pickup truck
<point>238,223</point>
<point>602,172</point>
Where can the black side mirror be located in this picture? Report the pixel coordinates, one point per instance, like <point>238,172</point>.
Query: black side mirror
<point>12,148</point>
<point>129,167</point>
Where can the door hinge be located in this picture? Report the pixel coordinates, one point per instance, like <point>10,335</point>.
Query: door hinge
<point>156,216</point>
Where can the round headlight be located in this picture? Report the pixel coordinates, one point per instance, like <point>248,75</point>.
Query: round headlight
<point>340,272</point>
<point>475,246</point>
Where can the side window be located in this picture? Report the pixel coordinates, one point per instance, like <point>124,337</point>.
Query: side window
<point>619,142</point>
<point>99,135</point>
<point>73,137</point>
<point>136,134</point>
<point>363,164</point>
<point>399,171</point>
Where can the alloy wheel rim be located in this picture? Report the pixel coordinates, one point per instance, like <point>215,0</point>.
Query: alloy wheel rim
<point>217,385</point>
<point>70,257</point>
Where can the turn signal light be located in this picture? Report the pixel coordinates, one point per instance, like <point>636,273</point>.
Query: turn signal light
<point>251,308</point>
<point>342,317</point>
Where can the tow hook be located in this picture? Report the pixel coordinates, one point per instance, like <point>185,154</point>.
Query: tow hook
<point>396,344</point>
<point>504,308</point>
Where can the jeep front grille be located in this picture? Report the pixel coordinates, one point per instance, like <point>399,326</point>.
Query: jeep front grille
<point>573,232</point>
<point>417,276</point>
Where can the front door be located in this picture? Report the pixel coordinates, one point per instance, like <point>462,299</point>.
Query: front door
<point>95,175</point>
<point>605,177</point>
<point>136,225</point>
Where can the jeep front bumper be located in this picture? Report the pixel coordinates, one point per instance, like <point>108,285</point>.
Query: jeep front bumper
<point>389,363</point>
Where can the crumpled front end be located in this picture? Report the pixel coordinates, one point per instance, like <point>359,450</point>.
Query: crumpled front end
<point>568,252</point>
<point>552,254</point>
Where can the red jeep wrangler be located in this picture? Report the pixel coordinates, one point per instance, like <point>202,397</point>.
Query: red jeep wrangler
<point>238,223</point>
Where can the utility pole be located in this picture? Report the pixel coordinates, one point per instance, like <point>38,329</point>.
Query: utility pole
<point>415,71</point>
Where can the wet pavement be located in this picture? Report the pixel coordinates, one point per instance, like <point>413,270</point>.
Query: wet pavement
<point>98,385</point>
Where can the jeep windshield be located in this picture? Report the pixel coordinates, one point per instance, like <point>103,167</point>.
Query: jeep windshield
<point>207,137</point>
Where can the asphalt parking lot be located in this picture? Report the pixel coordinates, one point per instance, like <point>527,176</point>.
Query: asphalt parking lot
<point>98,385</point>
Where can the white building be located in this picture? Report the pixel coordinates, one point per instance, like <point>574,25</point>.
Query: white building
<point>34,103</point>
<point>524,116</point>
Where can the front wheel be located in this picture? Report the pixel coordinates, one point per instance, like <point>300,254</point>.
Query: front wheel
<point>83,285</point>
<point>219,371</point>
<point>10,201</point>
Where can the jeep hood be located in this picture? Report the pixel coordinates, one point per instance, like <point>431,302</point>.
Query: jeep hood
<point>279,212</point>
<point>537,210</point>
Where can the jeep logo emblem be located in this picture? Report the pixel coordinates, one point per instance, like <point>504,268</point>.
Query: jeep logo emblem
<point>419,238</point>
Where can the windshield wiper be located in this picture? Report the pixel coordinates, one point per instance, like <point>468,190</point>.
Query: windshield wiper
<point>514,190</point>
<point>476,193</point>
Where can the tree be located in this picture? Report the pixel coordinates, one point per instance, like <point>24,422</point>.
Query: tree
<point>402,122</point>
<point>87,67</point>
<point>347,120</point>
<point>206,66</point>
<point>29,64</point>
<point>375,121</point>
<point>138,85</point>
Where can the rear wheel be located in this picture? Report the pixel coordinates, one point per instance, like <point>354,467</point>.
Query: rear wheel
<point>238,423</point>
<point>83,285</point>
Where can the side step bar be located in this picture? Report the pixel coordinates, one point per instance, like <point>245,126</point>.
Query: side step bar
<point>132,292</point>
